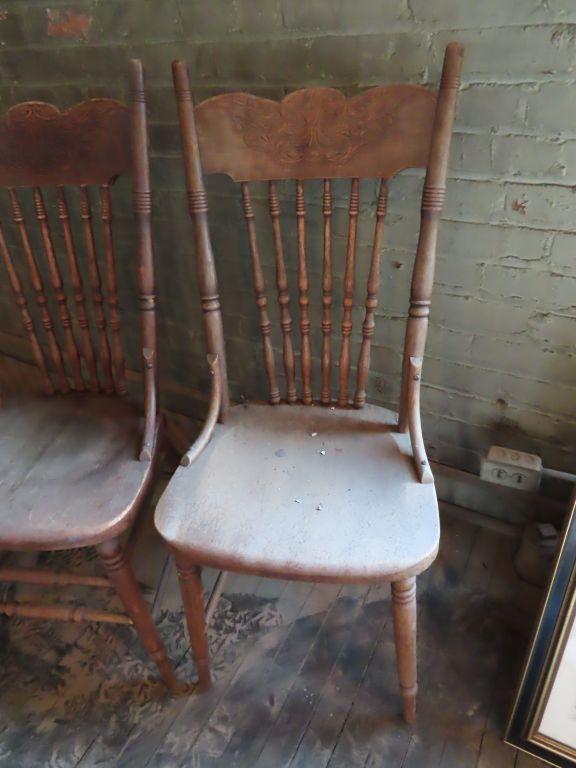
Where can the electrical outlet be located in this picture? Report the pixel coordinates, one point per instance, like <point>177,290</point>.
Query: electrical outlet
<point>513,469</point>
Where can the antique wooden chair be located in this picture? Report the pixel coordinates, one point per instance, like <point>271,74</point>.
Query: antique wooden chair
<point>356,504</point>
<point>75,464</point>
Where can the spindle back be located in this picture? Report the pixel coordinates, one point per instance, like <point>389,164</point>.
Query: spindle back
<point>49,154</point>
<point>318,133</point>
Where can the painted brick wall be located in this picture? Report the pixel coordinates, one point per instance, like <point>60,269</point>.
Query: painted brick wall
<point>501,364</point>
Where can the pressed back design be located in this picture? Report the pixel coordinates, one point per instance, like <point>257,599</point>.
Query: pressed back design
<point>320,134</point>
<point>316,133</point>
<point>62,155</point>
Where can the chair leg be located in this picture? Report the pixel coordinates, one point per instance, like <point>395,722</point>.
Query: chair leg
<point>162,588</point>
<point>190,577</point>
<point>122,576</point>
<point>404,611</point>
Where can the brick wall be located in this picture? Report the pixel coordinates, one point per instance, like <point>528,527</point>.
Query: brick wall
<point>501,365</point>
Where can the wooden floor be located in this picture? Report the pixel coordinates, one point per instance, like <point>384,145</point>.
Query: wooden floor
<point>305,674</point>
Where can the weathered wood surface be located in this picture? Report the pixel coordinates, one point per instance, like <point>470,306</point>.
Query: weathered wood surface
<point>42,146</point>
<point>304,674</point>
<point>69,470</point>
<point>344,504</point>
<point>317,133</point>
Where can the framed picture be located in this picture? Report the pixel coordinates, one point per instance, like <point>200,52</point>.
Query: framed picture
<point>543,720</point>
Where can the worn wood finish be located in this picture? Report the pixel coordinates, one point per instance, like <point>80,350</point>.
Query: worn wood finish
<point>371,298</point>
<point>190,578</point>
<point>122,576</point>
<point>404,612</point>
<point>69,470</point>
<point>433,196</point>
<point>303,299</point>
<point>58,287</point>
<point>348,301</point>
<point>325,397</point>
<point>40,146</point>
<point>42,576</point>
<point>104,356</point>
<point>211,417</point>
<point>38,287</point>
<point>142,205</point>
<point>320,494</point>
<point>261,300</point>
<point>414,424</point>
<point>27,322</point>
<point>283,294</point>
<point>78,289</point>
<point>112,291</point>
<point>62,613</point>
<point>316,521</point>
<point>56,451</point>
<point>316,133</point>
<point>198,209</point>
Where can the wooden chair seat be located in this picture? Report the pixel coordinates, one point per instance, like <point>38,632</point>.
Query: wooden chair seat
<point>69,470</point>
<point>268,495</point>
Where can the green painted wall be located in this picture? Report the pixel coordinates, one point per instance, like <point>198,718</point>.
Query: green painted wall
<point>501,365</point>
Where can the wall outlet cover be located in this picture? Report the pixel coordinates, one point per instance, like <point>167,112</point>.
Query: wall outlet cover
<point>515,469</point>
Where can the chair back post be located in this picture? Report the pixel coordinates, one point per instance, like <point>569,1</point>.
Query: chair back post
<point>142,205</point>
<point>431,209</point>
<point>198,209</point>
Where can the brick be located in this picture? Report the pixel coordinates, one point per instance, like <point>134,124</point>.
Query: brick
<point>14,27</point>
<point>472,314</point>
<point>343,16</point>
<point>462,377</point>
<point>521,391</point>
<point>551,109</point>
<point>554,329</point>
<point>505,52</point>
<point>520,285</point>
<point>330,60</point>
<point>447,344</point>
<point>552,398</point>
<point>529,156</point>
<point>484,243</point>
<point>470,153</point>
<point>132,21</point>
<point>492,106</point>
<point>539,205</point>
<point>563,253</point>
<point>524,357</point>
<point>457,274</point>
<point>65,64</point>
<point>220,23</point>
<point>490,13</point>
<point>474,200</point>
<point>568,159</point>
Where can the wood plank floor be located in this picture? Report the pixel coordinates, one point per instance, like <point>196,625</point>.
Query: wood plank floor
<point>305,674</point>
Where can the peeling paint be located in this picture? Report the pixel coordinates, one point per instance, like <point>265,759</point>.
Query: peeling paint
<point>520,206</point>
<point>68,23</point>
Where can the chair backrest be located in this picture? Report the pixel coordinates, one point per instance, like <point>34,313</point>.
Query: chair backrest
<point>318,133</point>
<point>90,144</point>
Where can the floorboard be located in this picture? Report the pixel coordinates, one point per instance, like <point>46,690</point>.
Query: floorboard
<point>305,674</point>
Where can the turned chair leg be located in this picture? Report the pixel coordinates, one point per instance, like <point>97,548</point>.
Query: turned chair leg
<point>122,577</point>
<point>190,577</point>
<point>404,612</point>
